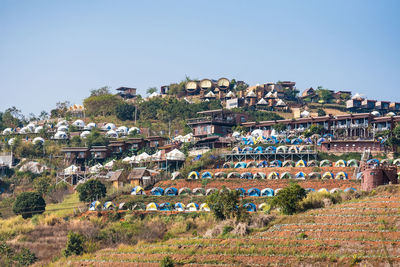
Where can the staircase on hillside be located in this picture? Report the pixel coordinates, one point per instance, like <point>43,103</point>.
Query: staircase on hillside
<point>364,158</point>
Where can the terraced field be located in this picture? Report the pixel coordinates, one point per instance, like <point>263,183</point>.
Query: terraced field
<point>362,232</point>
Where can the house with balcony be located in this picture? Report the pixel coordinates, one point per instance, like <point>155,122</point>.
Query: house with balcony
<point>99,153</point>
<point>354,104</point>
<point>382,105</point>
<point>156,141</point>
<point>215,122</point>
<point>368,104</point>
<point>394,106</point>
<point>76,155</point>
<point>126,92</point>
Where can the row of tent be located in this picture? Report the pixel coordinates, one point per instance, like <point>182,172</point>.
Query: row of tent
<point>260,139</point>
<point>252,192</point>
<point>96,205</point>
<point>290,163</point>
<point>271,149</point>
<point>272,175</point>
<point>175,154</point>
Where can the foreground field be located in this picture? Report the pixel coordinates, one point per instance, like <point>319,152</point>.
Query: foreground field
<point>365,231</point>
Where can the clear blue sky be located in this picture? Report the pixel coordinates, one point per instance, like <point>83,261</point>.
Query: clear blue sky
<point>59,50</point>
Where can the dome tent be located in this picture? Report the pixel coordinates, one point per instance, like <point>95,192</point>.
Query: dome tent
<point>267,192</point>
<point>327,175</point>
<point>246,175</point>
<point>340,163</point>
<point>192,207</point>
<point>185,191</point>
<point>253,192</point>
<point>211,190</point>
<point>204,207</point>
<point>286,175</point>
<point>95,205</point>
<point>352,163</point>
<point>220,175</point>
<point>276,163</point>
<point>109,206</point>
<point>228,165</point>
<point>38,140</point>
<point>325,163</point>
<point>193,175</point>
<point>341,176</point>
<point>241,191</point>
<point>240,165</point>
<point>206,175</point>
<point>233,175</point>
<point>152,206</point>
<point>250,207</point>
<point>251,164</point>
<point>273,175</point>
<point>301,175</point>
<point>157,191</point>
<point>79,124</point>
<point>262,164</point>
<point>259,175</point>
<point>350,189</point>
<point>314,175</point>
<point>301,163</point>
<point>179,206</point>
<point>138,190</point>
<point>199,191</point>
<point>170,191</point>
<point>165,206</point>
<point>288,163</point>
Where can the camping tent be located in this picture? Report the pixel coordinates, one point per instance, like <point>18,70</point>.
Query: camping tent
<point>38,140</point>
<point>143,157</point>
<point>109,206</point>
<point>327,175</point>
<point>273,175</point>
<point>236,150</point>
<point>112,134</point>
<point>276,163</point>
<point>211,190</point>
<point>373,162</point>
<point>241,191</point>
<point>138,190</point>
<point>309,190</point>
<point>228,165</point>
<point>262,164</point>
<point>71,170</point>
<point>240,165</point>
<point>95,205</point>
<point>335,190</point>
<point>170,191</point>
<point>267,192</point>
<point>96,168</point>
<point>157,191</point>
<point>220,175</point>
<point>251,164</point>
<point>340,163</point>
<point>263,206</point>
<point>246,175</point>
<point>250,207</point>
<point>314,175</point>
<point>352,163</point>
<point>341,176</point>
<point>325,163</point>
<point>204,207</point>
<point>312,163</point>
<point>350,189</point>
<point>175,155</point>
<point>260,175</point>
<point>282,149</point>
<point>301,163</point>
<point>176,175</point>
<point>192,207</point>
<point>109,126</point>
<point>301,175</point>
<point>247,150</point>
<point>193,175</point>
<point>152,206</point>
<point>259,149</point>
<point>286,175</point>
<point>179,206</point>
<point>165,206</point>
<point>288,163</point>
<point>270,150</point>
<point>253,192</point>
<point>323,190</point>
<point>233,175</point>
<point>293,149</point>
<point>206,175</point>
<point>199,191</point>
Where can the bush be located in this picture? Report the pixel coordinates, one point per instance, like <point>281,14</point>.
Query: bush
<point>91,190</point>
<point>74,244</point>
<point>167,262</point>
<point>288,199</point>
<point>25,257</point>
<point>28,204</point>
<point>42,185</point>
<point>225,205</point>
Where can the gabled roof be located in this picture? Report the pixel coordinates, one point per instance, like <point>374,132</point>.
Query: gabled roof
<point>262,102</point>
<point>137,174</point>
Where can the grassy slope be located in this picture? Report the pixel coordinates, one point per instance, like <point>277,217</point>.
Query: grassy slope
<point>67,207</point>
<point>365,231</point>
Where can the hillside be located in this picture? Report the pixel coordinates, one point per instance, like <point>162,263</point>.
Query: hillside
<point>362,231</point>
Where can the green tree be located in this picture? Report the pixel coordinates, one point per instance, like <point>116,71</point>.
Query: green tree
<point>101,105</point>
<point>167,262</point>
<point>28,204</point>
<point>91,190</point>
<point>226,205</point>
<point>321,112</point>
<point>42,185</point>
<point>324,94</point>
<point>151,90</point>
<point>95,138</point>
<point>314,129</point>
<point>74,244</point>
<point>125,111</point>
<point>105,90</point>
<point>25,257</point>
<point>279,127</point>
<point>288,199</point>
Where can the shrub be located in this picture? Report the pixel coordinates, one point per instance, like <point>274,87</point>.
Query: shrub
<point>288,199</point>
<point>167,262</point>
<point>225,205</point>
<point>42,185</point>
<point>74,244</point>
<point>28,204</point>
<point>92,189</point>
<point>25,257</point>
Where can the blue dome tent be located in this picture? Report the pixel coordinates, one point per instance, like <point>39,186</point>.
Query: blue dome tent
<point>267,192</point>
<point>157,191</point>
<point>253,192</point>
<point>171,191</point>
<point>250,207</point>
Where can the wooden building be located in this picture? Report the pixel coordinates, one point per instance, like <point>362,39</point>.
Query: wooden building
<point>137,175</point>
<point>76,155</point>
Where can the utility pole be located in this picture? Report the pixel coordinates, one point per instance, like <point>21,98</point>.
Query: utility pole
<point>135,113</point>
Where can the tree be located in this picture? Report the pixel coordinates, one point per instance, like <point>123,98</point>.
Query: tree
<point>42,185</point>
<point>314,129</point>
<point>321,112</point>
<point>28,204</point>
<point>105,90</point>
<point>167,261</point>
<point>279,127</point>
<point>125,111</point>
<point>43,115</point>
<point>225,205</point>
<point>74,244</point>
<point>91,190</point>
<point>151,90</point>
<point>324,94</point>
<point>288,198</point>
<point>95,138</point>
<point>101,104</point>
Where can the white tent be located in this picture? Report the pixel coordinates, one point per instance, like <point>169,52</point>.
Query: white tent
<point>90,126</point>
<point>31,126</point>
<point>154,94</point>
<point>96,168</point>
<point>38,140</point>
<point>38,129</point>
<point>257,133</point>
<point>175,154</point>
<point>109,126</point>
<point>25,130</point>
<point>70,170</point>
<point>79,123</point>
<point>62,122</point>
<point>84,134</point>
<point>210,95</point>
<point>280,103</point>
<point>230,94</point>
<point>33,167</point>
<point>262,102</point>
<point>134,129</point>
<point>143,157</point>
<point>60,136</point>
<point>11,142</point>
<point>305,114</point>
<point>157,155</point>
<point>7,131</point>
<point>251,94</point>
<point>62,128</point>
<point>109,165</point>
<point>112,134</point>
<point>122,130</point>
<point>375,113</point>
<point>129,160</point>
